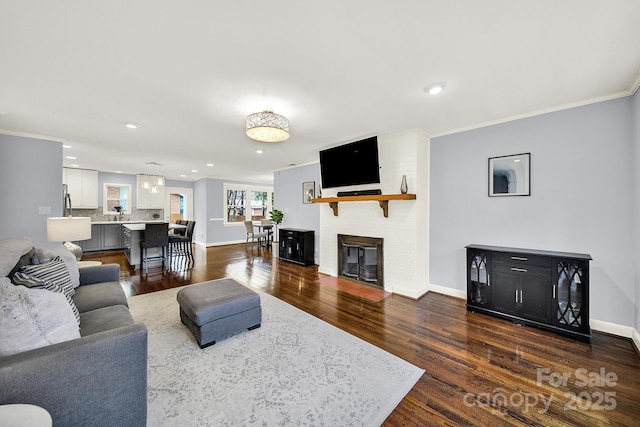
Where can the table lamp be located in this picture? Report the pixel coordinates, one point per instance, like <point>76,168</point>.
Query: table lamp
<point>68,229</point>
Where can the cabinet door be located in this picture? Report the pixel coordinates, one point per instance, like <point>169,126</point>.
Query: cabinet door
<point>95,243</point>
<point>82,186</point>
<point>479,291</point>
<point>73,179</point>
<point>145,199</point>
<point>112,236</point>
<point>89,188</point>
<point>506,291</point>
<point>534,298</point>
<point>570,292</point>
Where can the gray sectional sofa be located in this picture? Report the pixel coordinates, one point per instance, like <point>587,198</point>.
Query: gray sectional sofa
<point>98,379</point>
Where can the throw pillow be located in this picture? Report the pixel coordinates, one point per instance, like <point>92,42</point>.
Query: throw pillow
<point>35,283</point>
<point>54,271</point>
<point>10,252</point>
<point>43,255</point>
<point>33,318</point>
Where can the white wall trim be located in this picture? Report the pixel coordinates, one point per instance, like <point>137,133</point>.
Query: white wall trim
<point>596,325</point>
<point>456,293</point>
<point>187,192</point>
<point>635,337</point>
<point>32,135</point>
<point>634,86</point>
<point>609,97</point>
<point>230,242</point>
<point>611,328</point>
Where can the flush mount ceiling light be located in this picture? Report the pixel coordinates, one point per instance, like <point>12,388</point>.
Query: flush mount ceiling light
<point>435,88</point>
<point>132,125</point>
<point>267,126</point>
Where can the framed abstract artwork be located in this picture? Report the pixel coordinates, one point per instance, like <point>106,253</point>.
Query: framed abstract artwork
<point>510,175</point>
<point>308,191</point>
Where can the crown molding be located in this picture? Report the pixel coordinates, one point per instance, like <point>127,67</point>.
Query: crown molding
<point>32,135</point>
<point>633,88</point>
<point>616,95</point>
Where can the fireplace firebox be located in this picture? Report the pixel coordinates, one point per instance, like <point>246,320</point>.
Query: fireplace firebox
<point>360,258</point>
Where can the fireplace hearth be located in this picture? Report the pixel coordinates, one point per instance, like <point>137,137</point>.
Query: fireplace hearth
<point>361,259</point>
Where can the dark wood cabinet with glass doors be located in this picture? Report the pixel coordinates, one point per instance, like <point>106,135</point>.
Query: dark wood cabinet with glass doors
<point>532,287</point>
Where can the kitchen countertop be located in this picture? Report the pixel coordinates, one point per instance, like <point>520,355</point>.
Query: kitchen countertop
<point>135,221</point>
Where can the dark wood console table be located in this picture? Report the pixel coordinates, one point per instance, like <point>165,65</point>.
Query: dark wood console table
<point>546,289</point>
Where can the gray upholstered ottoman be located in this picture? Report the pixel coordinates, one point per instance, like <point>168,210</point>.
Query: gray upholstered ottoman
<point>218,308</point>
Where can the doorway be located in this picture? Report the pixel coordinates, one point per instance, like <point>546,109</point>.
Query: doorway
<point>178,204</point>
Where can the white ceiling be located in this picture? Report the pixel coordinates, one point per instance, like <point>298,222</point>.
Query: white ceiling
<point>189,72</point>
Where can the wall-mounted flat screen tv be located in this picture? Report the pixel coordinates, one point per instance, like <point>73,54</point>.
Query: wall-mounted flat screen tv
<point>355,163</point>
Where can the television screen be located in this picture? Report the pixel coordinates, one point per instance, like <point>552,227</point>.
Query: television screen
<point>350,164</point>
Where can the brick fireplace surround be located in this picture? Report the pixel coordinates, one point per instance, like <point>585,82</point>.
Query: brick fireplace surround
<point>405,231</point>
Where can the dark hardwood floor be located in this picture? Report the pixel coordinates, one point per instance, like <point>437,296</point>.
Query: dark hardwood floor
<point>479,370</point>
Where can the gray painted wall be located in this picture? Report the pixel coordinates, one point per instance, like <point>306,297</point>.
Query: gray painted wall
<point>287,185</point>
<point>208,195</point>
<point>636,197</point>
<point>31,176</point>
<point>581,198</point>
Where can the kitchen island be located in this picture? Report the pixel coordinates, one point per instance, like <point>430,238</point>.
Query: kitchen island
<point>107,235</point>
<point>133,234</point>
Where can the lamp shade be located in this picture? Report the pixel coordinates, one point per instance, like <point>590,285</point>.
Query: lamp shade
<point>67,229</point>
<point>267,126</point>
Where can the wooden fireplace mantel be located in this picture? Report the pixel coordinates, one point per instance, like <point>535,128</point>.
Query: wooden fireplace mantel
<point>382,199</point>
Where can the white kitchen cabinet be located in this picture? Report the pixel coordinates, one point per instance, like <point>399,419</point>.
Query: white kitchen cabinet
<point>82,185</point>
<point>145,199</point>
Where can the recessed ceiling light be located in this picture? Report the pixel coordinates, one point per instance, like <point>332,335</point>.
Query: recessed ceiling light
<point>516,160</point>
<point>132,125</point>
<point>194,170</point>
<point>71,157</point>
<point>118,171</point>
<point>259,151</point>
<point>435,88</point>
<point>66,146</point>
<point>75,166</point>
<point>210,164</point>
<point>183,176</point>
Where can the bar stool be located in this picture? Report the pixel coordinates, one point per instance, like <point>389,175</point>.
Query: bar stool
<point>155,236</point>
<point>181,245</point>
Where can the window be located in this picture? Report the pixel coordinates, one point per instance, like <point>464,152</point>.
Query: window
<point>116,195</point>
<point>247,203</point>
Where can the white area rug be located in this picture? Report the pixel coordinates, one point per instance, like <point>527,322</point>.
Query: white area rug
<point>295,370</point>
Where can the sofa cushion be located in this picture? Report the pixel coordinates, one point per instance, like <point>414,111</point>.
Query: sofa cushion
<point>43,255</point>
<point>104,319</point>
<point>33,318</point>
<point>54,271</point>
<point>98,295</point>
<point>34,283</point>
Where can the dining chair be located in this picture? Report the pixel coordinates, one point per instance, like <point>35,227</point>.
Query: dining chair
<point>155,236</point>
<point>251,234</point>
<point>267,227</point>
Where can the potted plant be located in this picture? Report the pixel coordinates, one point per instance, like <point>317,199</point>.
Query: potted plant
<point>276,216</point>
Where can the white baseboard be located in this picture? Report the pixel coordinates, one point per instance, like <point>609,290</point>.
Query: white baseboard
<point>611,328</point>
<point>635,337</point>
<point>596,325</point>
<point>231,242</point>
<point>448,291</point>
